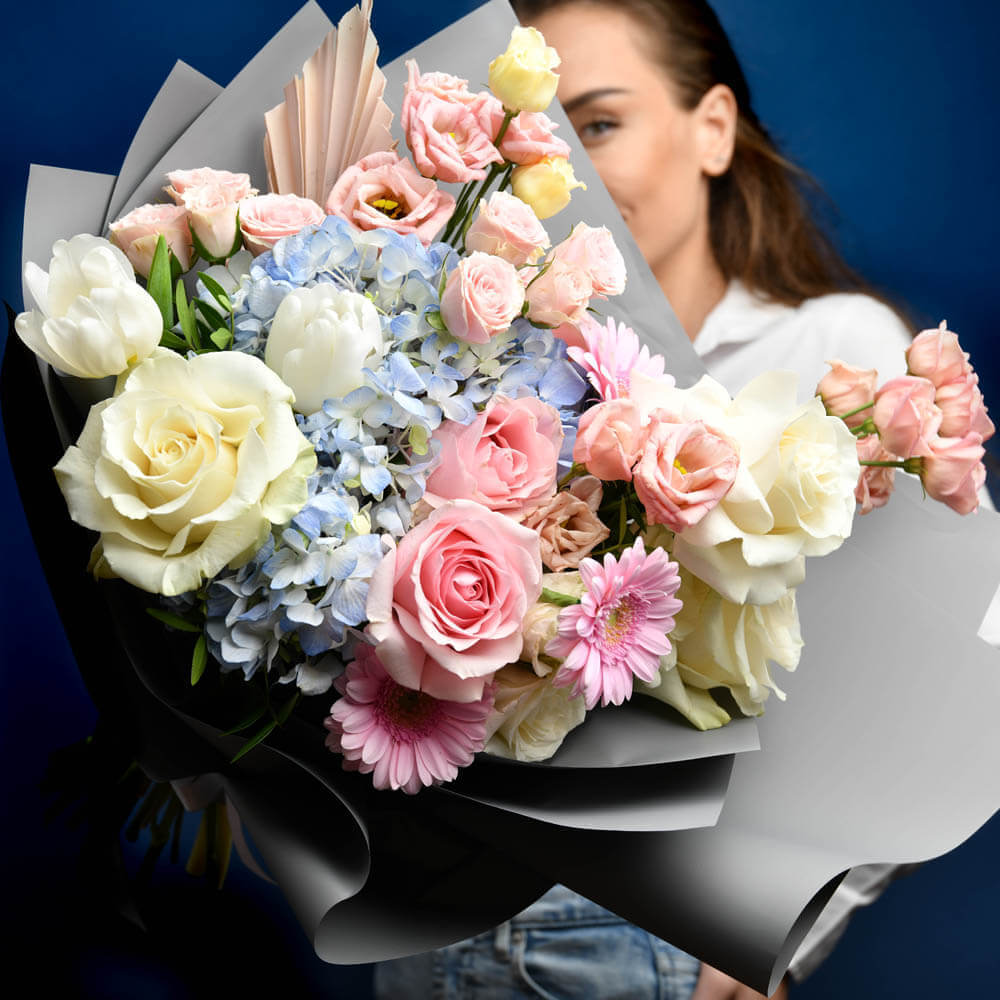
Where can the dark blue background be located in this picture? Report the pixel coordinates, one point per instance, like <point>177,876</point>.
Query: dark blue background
<point>890,105</point>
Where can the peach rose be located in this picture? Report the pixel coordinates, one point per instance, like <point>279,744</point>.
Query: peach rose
<point>906,416</point>
<point>137,234</point>
<point>506,227</point>
<point>610,439</point>
<point>384,191</point>
<point>567,524</point>
<point>560,294</point>
<point>271,217</point>
<point>845,388</point>
<point>506,459</point>
<point>482,297</point>
<point>594,252</point>
<point>953,471</point>
<point>876,482</point>
<point>936,355</point>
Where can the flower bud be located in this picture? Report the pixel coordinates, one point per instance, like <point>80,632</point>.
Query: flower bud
<point>545,185</point>
<point>522,77</point>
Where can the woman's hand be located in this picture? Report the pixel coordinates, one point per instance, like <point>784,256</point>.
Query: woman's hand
<point>715,985</point>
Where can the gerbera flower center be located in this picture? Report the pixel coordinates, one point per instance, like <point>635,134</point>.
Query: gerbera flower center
<point>407,714</point>
<point>621,622</point>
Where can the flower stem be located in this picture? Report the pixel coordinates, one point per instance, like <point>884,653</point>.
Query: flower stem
<point>850,413</point>
<point>490,177</point>
<point>508,117</point>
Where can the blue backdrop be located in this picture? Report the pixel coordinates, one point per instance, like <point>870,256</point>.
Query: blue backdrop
<point>890,105</point>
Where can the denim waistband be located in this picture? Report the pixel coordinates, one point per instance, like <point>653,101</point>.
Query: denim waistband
<point>562,905</point>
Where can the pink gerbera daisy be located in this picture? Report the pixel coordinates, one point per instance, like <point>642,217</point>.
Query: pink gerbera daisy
<point>403,738</point>
<point>612,356</point>
<point>619,628</point>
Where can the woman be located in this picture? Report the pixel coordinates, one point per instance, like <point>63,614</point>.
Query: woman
<point>657,96</point>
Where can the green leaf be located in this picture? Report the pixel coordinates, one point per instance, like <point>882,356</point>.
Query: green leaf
<point>199,659</point>
<point>255,740</point>
<point>159,285</point>
<point>174,342</point>
<point>434,320</point>
<point>255,716</point>
<point>222,338</point>
<point>174,621</point>
<point>216,291</point>
<point>185,316</point>
<point>212,316</point>
<point>286,710</point>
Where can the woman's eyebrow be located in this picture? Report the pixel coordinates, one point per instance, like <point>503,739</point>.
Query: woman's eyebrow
<point>591,95</point>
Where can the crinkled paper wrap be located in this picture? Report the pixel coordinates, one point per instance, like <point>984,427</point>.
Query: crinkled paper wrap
<point>886,750</point>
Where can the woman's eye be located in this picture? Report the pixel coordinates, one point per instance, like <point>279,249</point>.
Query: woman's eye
<point>598,128</point>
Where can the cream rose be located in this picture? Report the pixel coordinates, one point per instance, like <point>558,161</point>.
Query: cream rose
<point>320,340</point>
<point>185,470</point>
<point>522,76</point>
<point>92,319</point>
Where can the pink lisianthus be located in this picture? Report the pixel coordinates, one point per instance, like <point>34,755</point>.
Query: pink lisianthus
<point>845,389</point>
<point>482,297</point>
<point>611,355</point>
<point>685,469</point>
<point>906,416</point>
<point>506,459</point>
<point>559,294</point>
<point>619,629</point>
<point>594,251</point>
<point>609,439</point>
<point>384,191</point>
<point>138,232</point>
<point>529,137</point>
<point>507,227</point>
<point>404,738</point>
<point>444,86</point>
<point>271,217</point>
<point>937,356</point>
<point>953,471</point>
<point>445,606</point>
<point>876,482</point>
<point>236,187</point>
<point>962,408</point>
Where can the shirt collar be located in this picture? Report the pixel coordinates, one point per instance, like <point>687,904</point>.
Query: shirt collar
<point>739,317</point>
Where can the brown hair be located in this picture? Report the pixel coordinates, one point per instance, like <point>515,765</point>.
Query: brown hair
<point>760,225</point>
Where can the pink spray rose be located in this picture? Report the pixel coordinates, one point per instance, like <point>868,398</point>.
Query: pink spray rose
<point>235,186</point>
<point>845,388</point>
<point>876,482</point>
<point>529,137</point>
<point>212,217</point>
<point>953,471</point>
<point>507,227</point>
<point>383,191</point>
<point>445,606</point>
<point>270,217</point>
<point>560,294</point>
<point>138,232</point>
<point>482,297</point>
<point>506,459</point>
<point>594,252</point>
<point>906,415</point>
<point>685,469</point>
<point>937,356</point>
<point>962,408</point>
<point>610,439</point>
<point>567,524</point>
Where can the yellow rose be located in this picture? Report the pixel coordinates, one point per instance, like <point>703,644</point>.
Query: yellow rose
<point>522,77</point>
<point>545,185</point>
<point>185,470</point>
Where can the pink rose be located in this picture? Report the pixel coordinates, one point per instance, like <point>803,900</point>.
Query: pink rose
<point>236,186</point>
<point>906,415</point>
<point>507,227</point>
<point>270,217</point>
<point>845,388</point>
<point>610,439</point>
<point>482,297</point>
<point>383,191</point>
<point>594,251</point>
<point>685,469</point>
<point>447,141</point>
<point>953,471</point>
<point>529,137</point>
<point>567,524</point>
<point>962,408</point>
<point>445,607</point>
<point>138,232</point>
<point>506,459</point>
<point>212,217</point>
<point>876,482</point>
<point>560,294</point>
<point>937,355</point>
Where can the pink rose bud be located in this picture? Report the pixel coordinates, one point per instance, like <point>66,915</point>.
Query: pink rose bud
<point>383,191</point>
<point>212,217</point>
<point>963,409</point>
<point>594,251</point>
<point>906,416</point>
<point>138,232</point>
<point>845,388</point>
<point>685,469</point>
<point>506,459</point>
<point>936,355</point>
<point>876,482</point>
<point>271,217</point>
<point>953,471</point>
<point>236,186</point>
<point>610,439</point>
<point>560,294</point>
<point>508,228</point>
<point>482,297</point>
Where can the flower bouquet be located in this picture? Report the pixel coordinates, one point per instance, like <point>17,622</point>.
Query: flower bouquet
<point>422,517</point>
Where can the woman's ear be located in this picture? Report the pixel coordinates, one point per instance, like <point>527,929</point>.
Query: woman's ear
<point>715,120</point>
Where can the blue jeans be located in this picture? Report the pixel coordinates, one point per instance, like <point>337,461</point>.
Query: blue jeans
<point>562,947</point>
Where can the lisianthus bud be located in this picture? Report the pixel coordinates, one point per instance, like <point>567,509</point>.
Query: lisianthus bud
<point>522,77</point>
<point>546,185</point>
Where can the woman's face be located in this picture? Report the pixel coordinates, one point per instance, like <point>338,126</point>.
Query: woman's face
<point>647,149</point>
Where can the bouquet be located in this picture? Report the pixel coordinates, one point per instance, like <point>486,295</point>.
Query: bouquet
<point>379,444</point>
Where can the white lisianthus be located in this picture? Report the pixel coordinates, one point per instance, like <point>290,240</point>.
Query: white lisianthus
<point>185,470</point>
<point>92,319</point>
<point>530,717</point>
<point>793,495</point>
<point>320,340</point>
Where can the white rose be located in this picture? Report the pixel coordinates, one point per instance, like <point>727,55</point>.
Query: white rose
<point>793,495</point>
<point>541,623</point>
<point>530,717</point>
<point>92,319</point>
<point>320,340</point>
<point>186,469</point>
